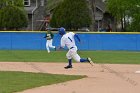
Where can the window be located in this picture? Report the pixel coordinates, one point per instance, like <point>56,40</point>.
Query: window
<point>42,2</point>
<point>26,2</point>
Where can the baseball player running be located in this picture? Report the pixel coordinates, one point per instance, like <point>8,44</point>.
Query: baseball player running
<point>49,36</point>
<point>68,41</point>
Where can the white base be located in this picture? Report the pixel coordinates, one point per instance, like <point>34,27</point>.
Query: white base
<point>137,72</point>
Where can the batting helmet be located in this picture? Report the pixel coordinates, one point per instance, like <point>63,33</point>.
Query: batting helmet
<point>62,31</point>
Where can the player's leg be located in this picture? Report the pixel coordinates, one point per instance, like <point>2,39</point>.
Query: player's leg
<point>79,59</point>
<point>90,61</point>
<point>50,44</point>
<point>69,60</point>
<point>76,57</point>
<point>47,46</point>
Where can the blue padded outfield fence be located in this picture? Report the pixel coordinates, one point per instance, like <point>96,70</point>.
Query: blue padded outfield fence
<point>90,41</point>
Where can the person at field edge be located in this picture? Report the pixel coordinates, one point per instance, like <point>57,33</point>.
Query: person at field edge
<point>49,36</point>
<point>67,40</point>
<point>47,20</point>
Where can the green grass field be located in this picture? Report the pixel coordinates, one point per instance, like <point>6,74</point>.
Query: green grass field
<point>16,81</point>
<point>117,57</point>
<point>11,82</point>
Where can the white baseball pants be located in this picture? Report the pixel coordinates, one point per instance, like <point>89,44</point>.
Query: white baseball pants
<point>72,53</point>
<point>49,45</point>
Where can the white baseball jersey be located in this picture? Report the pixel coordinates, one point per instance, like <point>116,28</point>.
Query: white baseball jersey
<point>68,40</point>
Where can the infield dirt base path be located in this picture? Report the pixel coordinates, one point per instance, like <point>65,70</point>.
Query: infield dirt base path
<point>102,78</point>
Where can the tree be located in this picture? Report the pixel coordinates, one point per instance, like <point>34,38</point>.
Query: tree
<point>117,9</point>
<point>123,11</point>
<point>13,18</point>
<point>135,14</point>
<point>12,15</point>
<point>18,3</point>
<point>71,14</point>
<point>51,4</point>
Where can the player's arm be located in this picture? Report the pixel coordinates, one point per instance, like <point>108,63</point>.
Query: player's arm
<point>62,45</point>
<point>52,35</point>
<point>60,48</point>
<point>76,35</point>
<point>45,36</point>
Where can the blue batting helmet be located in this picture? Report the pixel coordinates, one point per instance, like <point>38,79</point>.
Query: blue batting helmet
<point>62,31</point>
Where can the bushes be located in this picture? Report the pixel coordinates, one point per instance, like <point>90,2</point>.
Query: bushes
<point>127,12</point>
<point>12,15</point>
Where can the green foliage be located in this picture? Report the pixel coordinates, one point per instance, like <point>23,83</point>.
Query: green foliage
<point>71,14</point>
<point>115,8</point>
<point>135,14</point>
<point>12,14</point>
<point>123,10</point>
<point>135,25</point>
<point>18,3</point>
<point>51,4</point>
<point>2,3</point>
<point>13,17</point>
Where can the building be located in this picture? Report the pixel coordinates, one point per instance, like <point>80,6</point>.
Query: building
<point>102,19</point>
<point>36,12</point>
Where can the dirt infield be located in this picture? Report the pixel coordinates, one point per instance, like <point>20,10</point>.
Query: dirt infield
<point>102,78</point>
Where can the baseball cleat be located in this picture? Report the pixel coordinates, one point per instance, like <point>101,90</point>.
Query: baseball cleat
<point>90,61</point>
<point>67,67</point>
